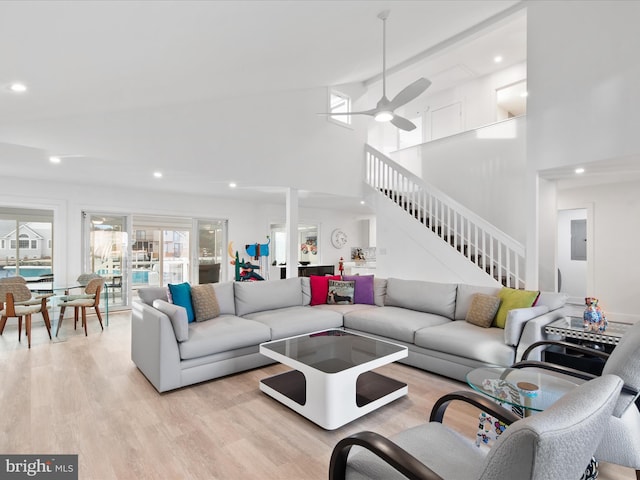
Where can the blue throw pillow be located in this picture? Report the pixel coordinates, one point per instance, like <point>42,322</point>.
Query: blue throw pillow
<point>181,295</point>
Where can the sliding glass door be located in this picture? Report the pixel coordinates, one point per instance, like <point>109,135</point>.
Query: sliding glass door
<point>107,250</point>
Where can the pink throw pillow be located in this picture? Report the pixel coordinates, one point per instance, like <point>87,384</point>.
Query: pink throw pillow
<point>320,288</point>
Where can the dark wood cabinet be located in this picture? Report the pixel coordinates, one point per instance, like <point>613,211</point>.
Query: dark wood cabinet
<point>308,270</point>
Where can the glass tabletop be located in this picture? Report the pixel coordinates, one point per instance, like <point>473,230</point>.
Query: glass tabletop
<point>333,351</point>
<point>528,388</point>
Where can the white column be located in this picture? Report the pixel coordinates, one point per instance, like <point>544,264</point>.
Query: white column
<point>292,232</point>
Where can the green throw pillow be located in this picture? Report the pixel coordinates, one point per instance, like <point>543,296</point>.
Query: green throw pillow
<point>512,298</point>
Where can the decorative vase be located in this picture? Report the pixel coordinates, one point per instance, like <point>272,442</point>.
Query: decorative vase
<point>594,319</point>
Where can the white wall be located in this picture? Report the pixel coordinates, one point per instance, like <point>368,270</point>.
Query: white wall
<point>583,81</point>
<point>248,223</point>
<point>483,169</point>
<point>582,107</point>
<point>615,226</point>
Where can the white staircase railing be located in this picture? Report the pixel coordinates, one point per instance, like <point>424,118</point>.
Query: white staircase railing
<point>482,243</point>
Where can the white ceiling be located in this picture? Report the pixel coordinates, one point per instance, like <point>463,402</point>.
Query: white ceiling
<point>92,57</point>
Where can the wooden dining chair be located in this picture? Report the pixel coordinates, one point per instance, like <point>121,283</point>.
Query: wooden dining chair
<point>17,301</point>
<point>89,299</point>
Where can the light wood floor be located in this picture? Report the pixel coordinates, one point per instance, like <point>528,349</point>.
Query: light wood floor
<point>83,395</point>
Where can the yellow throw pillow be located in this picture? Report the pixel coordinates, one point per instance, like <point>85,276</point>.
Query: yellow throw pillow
<point>482,309</point>
<point>512,298</point>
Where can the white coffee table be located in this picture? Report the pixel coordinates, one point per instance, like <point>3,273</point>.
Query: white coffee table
<point>332,383</point>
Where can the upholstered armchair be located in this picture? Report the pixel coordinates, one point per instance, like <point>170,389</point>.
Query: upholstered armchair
<point>557,443</point>
<point>17,301</point>
<point>622,431</point>
<point>89,299</point>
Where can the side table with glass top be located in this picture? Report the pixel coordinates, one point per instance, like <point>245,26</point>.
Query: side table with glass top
<point>535,389</point>
<point>572,330</point>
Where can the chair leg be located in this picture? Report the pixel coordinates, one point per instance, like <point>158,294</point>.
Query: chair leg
<point>27,327</point>
<point>637,474</point>
<point>84,320</point>
<point>47,321</point>
<point>3,322</point>
<point>19,329</point>
<point>75,317</point>
<point>99,316</point>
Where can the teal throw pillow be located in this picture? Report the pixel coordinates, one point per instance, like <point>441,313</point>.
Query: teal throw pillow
<point>181,296</point>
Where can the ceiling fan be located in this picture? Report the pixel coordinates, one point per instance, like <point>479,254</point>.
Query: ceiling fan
<point>383,112</point>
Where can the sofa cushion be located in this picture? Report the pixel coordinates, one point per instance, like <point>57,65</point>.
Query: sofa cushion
<point>428,297</point>
<point>379,291</point>
<point>205,302</point>
<point>482,310</point>
<point>468,341</point>
<point>226,298</point>
<point>465,294</point>
<point>341,292</point>
<point>267,295</point>
<point>363,292</point>
<point>149,294</point>
<point>392,322</point>
<point>291,321</point>
<point>306,290</point>
<point>224,333</point>
<point>552,300</point>
<point>319,285</point>
<point>513,298</point>
<point>181,295</point>
<point>178,317</point>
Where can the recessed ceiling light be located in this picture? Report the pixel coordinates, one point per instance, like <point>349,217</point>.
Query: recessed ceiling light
<point>55,159</point>
<point>497,58</point>
<point>361,202</point>
<point>579,170</point>
<point>232,185</point>
<point>157,174</point>
<point>18,87</point>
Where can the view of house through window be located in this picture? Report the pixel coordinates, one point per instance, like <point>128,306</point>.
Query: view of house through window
<point>26,244</point>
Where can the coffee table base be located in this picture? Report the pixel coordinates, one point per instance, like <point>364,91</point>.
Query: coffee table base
<point>330,402</point>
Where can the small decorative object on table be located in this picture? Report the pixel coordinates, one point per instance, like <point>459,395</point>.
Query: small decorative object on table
<point>594,319</point>
<point>341,266</point>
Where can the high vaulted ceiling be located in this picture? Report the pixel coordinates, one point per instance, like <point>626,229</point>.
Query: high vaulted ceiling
<point>87,58</point>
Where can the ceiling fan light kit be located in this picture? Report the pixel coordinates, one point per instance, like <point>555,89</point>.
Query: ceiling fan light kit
<point>384,110</point>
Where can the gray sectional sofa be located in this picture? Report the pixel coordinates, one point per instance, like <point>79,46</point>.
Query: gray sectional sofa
<point>427,317</point>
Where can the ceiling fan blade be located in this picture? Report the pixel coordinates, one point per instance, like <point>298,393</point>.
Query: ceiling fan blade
<point>409,93</point>
<point>373,111</point>
<point>402,123</point>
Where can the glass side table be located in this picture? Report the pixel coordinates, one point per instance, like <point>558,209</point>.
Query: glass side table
<point>526,388</point>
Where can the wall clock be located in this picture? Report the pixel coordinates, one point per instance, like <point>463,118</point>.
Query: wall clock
<point>338,238</point>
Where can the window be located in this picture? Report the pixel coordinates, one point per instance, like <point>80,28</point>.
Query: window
<point>34,244</point>
<point>3,244</point>
<point>340,103</point>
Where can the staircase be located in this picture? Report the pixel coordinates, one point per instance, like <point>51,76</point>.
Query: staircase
<point>480,242</point>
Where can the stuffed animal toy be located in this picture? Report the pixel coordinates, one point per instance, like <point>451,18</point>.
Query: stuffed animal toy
<point>594,319</point>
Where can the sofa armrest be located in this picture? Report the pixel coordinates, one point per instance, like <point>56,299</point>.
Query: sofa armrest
<point>534,332</point>
<point>517,318</point>
<point>154,348</point>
